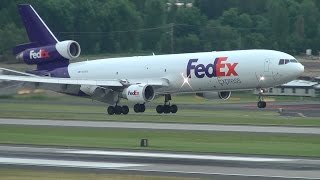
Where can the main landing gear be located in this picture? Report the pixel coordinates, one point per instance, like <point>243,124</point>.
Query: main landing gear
<point>167,108</point>
<point>118,110</point>
<point>261,103</point>
<point>139,108</point>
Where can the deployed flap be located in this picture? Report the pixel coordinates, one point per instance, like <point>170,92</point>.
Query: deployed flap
<point>38,79</point>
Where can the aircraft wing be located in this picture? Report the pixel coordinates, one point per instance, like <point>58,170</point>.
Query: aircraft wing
<point>69,81</point>
<point>89,82</point>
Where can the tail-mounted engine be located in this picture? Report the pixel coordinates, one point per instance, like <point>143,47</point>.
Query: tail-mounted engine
<point>224,95</point>
<point>67,50</point>
<point>139,93</point>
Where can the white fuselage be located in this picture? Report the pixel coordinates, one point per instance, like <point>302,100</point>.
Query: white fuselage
<point>196,72</point>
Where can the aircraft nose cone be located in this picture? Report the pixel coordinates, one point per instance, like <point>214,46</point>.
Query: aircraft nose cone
<point>300,69</point>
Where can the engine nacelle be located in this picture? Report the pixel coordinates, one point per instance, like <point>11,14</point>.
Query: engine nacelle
<point>67,50</point>
<point>139,93</point>
<point>224,95</point>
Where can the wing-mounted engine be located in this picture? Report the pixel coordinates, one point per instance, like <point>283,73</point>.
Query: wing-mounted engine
<point>64,50</point>
<point>139,93</point>
<point>224,95</point>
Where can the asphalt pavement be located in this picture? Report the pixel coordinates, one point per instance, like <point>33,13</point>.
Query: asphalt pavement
<point>163,163</point>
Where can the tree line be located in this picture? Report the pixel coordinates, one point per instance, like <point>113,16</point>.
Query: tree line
<point>163,26</point>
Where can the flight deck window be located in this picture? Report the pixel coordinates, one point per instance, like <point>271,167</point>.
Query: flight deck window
<point>286,61</point>
<point>281,61</point>
<point>293,61</point>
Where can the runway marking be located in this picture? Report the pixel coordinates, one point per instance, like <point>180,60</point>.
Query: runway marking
<point>178,156</point>
<point>226,174</point>
<point>117,166</point>
<point>64,163</point>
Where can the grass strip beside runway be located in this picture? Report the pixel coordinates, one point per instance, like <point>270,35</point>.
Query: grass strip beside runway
<point>88,112</point>
<point>26,174</point>
<point>214,142</point>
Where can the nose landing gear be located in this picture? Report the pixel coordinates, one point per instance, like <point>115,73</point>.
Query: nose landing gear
<point>261,103</point>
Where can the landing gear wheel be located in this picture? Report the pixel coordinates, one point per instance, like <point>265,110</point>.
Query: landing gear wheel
<point>142,108</point>
<point>261,104</point>
<point>139,108</point>
<point>111,110</point>
<point>174,109</point>
<point>136,108</point>
<point>160,109</point>
<point>125,110</point>
<point>117,110</point>
<point>167,109</point>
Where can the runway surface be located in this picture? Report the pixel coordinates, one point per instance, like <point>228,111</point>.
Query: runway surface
<point>162,163</point>
<point>164,126</point>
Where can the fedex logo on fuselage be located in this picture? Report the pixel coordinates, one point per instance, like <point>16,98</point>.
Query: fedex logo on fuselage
<point>42,53</point>
<point>133,93</point>
<point>219,68</point>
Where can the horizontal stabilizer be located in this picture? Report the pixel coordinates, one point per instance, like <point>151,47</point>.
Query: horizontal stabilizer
<point>21,47</point>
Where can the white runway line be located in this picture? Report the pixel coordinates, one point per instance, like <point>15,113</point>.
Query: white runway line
<point>177,156</point>
<point>64,163</point>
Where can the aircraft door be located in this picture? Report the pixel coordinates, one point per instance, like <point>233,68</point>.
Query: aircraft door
<point>267,63</point>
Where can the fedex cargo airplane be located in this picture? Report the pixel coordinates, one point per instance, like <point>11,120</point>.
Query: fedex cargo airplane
<point>140,79</point>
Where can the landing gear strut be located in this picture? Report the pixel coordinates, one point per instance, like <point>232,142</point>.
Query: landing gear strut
<point>167,108</point>
<point>118,110</point>
<point>261,103</point>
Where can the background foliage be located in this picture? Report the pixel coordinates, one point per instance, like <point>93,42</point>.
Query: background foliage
<point>160,26</point>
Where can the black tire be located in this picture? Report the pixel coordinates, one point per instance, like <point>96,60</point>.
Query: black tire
<point>142,108</point>
<point>136,108</point>
<point>118,110</point>
<point>110,110</point>
<point>125,110</point>
<point>167,109</point>
<point>261,104</point>
<point>159,109</point>
<point>174,109</point>
<point>264,104</point>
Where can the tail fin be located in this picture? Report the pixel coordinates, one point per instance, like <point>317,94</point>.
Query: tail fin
<point>38,32</point>
<point>44,49</point>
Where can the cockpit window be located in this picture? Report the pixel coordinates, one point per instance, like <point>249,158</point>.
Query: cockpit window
<point>286,61</point>
<point>281,61</point>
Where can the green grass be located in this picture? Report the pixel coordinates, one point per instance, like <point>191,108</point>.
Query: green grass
<point>189,141</point>
<point>29,174</point>
<point>43,110</point>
